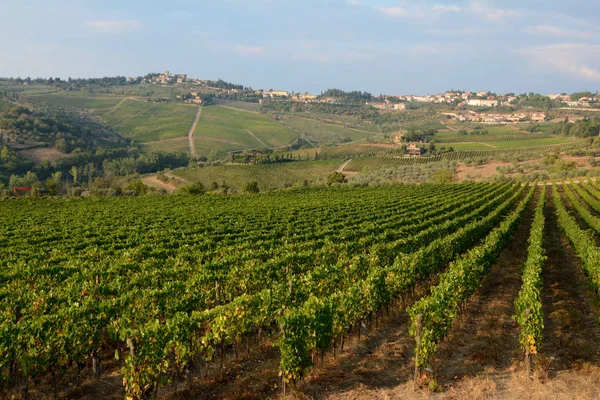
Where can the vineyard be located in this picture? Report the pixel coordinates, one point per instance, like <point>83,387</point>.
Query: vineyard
<point>391,160</point>
<point>165,291</point>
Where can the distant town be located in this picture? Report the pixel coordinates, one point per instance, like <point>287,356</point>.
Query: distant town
<point>458,98</point>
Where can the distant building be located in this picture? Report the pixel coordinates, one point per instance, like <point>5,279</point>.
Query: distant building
<point>181,78</point>
<point>276,93</point>
<point>400,106</point>
<point>413,150</point>
<point>379,105</point>
<point>482,103</point>
<point>538,116</point>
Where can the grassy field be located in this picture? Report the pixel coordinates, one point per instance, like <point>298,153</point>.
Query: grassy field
<point>146,122</point>
<point>179,145</point>
<point>322,133</point>
<point>515,144</point>
<point>466,146</point>
<point>268,176</point>
<point>346,133</point>
<point>126,110</point>
<point>241,129</point>
<point>4,105</point>
<point>77,100</point>
<point>505,144</point>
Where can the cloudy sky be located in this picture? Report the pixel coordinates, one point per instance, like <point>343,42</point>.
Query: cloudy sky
<point>381,46</point>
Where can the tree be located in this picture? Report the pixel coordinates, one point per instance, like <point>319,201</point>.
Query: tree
<point>54,184</point>
<point>193,189</point>
<point>74,173</point>
<point>137,187</point>
<point>336,177</point>
<point>442,176</point>
<point>251,187</point>
<point>89,170</point>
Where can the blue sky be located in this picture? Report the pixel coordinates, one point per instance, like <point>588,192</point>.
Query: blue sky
<point>381,46</point>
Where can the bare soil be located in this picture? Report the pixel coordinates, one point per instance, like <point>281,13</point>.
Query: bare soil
<point>480,172</point>
<point>486,171</point>
<point>154,182</point>
<point>484,342</point>
<point>43,154</point>
<point>572,330</point>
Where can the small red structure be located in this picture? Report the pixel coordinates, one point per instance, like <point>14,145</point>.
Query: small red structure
<point>18,189</point>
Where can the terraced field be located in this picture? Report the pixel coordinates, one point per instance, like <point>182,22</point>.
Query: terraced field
<point>229,129</point>
<point>150,122</point>
<point>89,101</point>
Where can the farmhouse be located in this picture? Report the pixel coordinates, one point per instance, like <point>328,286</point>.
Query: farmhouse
<point>413,150</point>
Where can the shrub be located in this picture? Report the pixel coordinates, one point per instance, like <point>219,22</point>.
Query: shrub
<point>251,187</point>
<point>336,177</point>
<point>193,189</point>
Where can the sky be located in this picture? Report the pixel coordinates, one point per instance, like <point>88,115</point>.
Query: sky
<point>379,46</point>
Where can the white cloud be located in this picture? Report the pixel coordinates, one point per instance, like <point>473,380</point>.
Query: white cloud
<point>114,25</point>
<point>446,8</point>
<point>484,10</point>
<point>550,30</point>
<point>574,59</point>
<point>465,31</point>
<point>394,12</point>
<point>250,51</point>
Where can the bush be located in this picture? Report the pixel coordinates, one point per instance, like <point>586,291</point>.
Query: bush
<point>193,189</point>
<point>336,177</point>
<point>442,176</point>
<point>137,187</point>
<point>251,187</point>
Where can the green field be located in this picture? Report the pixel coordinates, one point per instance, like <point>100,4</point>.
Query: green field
<point>506,144</point>
<point>5,105</point>
<point>149,122</point>
<point>268,176</point>
<point>346,133</point>
<point>465,146</point>
<point>179,145</point>
<point>515,144</point>
<point>232,129</point>
<point>124,111</point>
<point>77,100</point>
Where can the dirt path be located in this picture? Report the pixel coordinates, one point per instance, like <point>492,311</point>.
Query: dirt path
<point>341,169</point>
<point>485,340</point>
<point>156,183</point>
<point>381,361</point>
<point>572,332</point>
<point>191,132</point>
<point>258,139</point>
<point>135,114</point>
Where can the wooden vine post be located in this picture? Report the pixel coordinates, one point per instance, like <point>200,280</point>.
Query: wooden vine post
<point>527,349</point>
<point>418,337</point>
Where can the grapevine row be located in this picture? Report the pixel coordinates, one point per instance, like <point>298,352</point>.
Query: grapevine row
<point>432,316</point>
<point>528,304</point>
